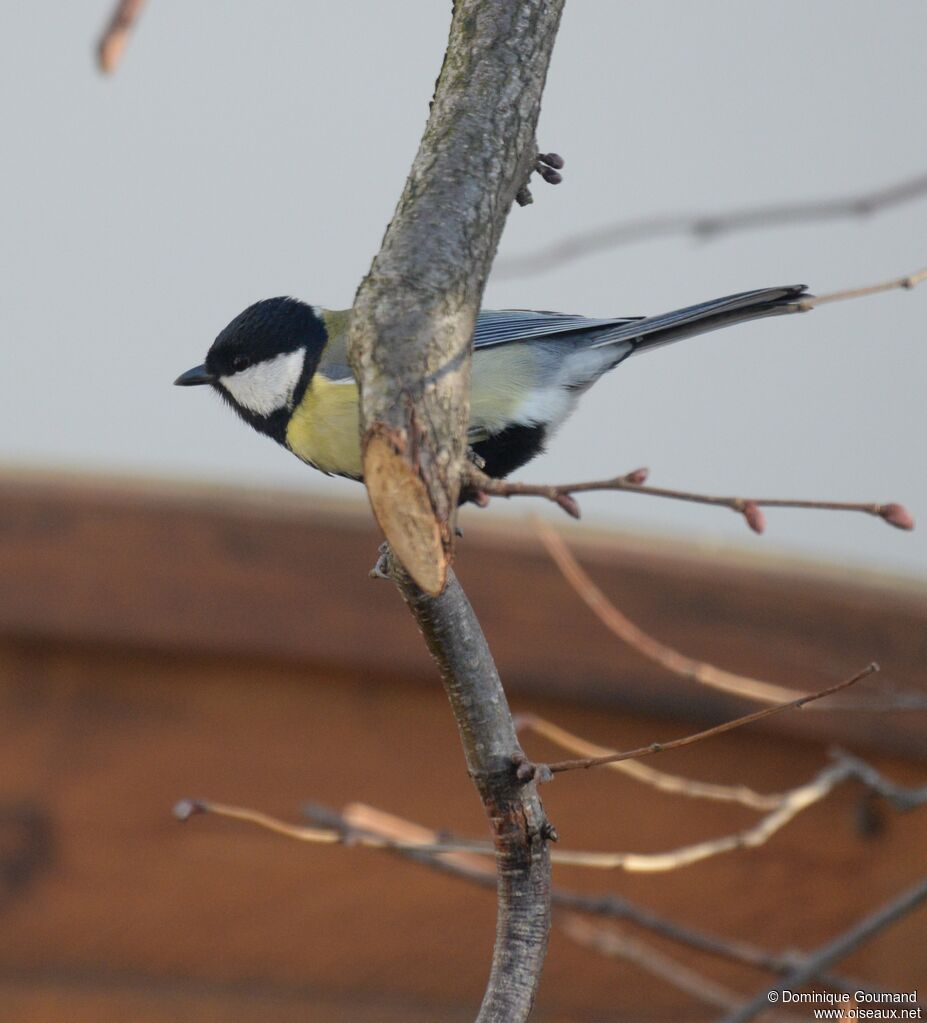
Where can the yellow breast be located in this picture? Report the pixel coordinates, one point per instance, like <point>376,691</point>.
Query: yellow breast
<point>324,428</point>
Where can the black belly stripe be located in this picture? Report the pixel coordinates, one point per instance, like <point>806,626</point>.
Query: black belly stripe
<point>509,450</point>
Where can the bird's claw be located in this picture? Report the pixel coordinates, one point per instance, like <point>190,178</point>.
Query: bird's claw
<point>548,165</point>
<point>381,569</point>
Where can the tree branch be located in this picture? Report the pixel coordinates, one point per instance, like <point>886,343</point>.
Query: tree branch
<point>726,726</point>
<point>660,780</point>
<point>621,626</point>
<point>905,283</point>
<point>359,820</point>
<point>678,663</point>
<point>791,804</point>
<point>480,487</point>
<point>709,226</point>
<point>377,830</point>
<point>520,827</point>
<point>835,950</point>
<point>609,942</point>
<point>414,313</point>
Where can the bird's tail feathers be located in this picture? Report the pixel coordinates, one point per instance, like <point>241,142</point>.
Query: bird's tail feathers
<point>654,331</point>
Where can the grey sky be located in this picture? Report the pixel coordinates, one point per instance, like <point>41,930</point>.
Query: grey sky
<point>247,150</point>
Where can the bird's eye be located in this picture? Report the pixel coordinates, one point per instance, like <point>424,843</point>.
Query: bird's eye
<point>240,362</point>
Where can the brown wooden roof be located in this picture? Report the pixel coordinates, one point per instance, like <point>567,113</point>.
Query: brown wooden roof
<point>282,575</point>
<point>159,642</point>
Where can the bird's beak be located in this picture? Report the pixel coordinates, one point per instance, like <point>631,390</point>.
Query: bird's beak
<point>197,375</point>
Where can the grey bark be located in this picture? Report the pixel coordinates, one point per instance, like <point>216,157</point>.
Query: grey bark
<point>520,828</point>
<point>409,345</point>
<point>414,313</point>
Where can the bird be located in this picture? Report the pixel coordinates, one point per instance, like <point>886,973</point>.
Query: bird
<point>282,365</point>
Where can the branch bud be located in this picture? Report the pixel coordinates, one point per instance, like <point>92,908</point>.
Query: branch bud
<point>186,808</point>
<point>897,515</point>
<point>569,504</point>
<point>756,520</point>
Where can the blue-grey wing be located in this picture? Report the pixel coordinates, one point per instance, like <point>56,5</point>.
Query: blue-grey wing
<point>504,326</point>
<point>637,333</point>
<point>553,335</point>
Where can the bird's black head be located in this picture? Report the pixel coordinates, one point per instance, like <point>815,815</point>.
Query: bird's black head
<point>262,362</point>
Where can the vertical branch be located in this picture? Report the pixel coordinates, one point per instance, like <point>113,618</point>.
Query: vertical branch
<point>520,828</point>
<point>414,313</point>
<point>409,345</point>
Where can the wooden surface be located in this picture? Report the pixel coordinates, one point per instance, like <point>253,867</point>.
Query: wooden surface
<point>112,911</point>
<point>216,570</point>
<point>158,643</point>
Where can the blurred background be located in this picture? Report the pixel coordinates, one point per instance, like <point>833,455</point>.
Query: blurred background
<point>181,600</point>
<point>240,154</point>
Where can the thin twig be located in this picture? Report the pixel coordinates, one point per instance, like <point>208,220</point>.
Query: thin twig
<point>662,780</point>
<point>609,942</point>
<point>791,804</point>
<point>367,827</point>
<point>615,907</point>
<point>367,820</point>
<point>622,627</point>
<point>835,950</point>
<point>481,487</point>
<point>708,733</point>
<point>709,226</point>
<point>893,284</point>
<point>187,808</point>
<point>361,818</point>
<point>116,34</point>
<point>679,664</point>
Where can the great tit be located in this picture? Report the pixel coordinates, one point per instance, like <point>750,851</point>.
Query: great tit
<point>283,367</point>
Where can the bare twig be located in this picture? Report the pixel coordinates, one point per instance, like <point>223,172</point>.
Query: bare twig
<point>413,316</point>
<point>646,863</point>
<point>662,780</point>
<point>368,827</point>
<point>791,804</point>
<point>679,664</point>
<point>835,950</point>
<point>709,226</point>
<point>361,819</point>
<point>187,808</point>
<point>893,284</point>
<point>480,487</point>
<point>615,907</point>
<point>622,627</point>
<point>116,34</point>
<point>607,941</point>
<point>708,733</point>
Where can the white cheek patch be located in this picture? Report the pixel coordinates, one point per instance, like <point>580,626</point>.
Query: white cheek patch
<point>266,386</point>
